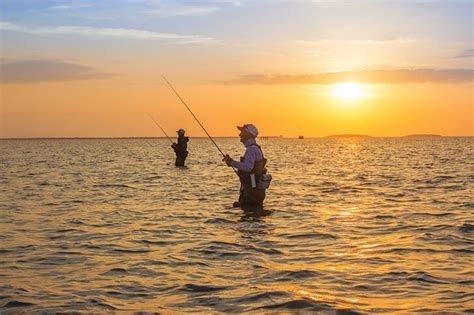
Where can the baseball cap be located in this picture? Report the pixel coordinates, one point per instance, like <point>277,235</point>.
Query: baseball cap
<point>249,128</point>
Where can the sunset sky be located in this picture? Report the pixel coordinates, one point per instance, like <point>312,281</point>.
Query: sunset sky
<point>312,68</point>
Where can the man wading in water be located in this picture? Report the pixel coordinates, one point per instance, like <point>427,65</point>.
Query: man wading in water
<point>181,148</point>
<point>251,170</point>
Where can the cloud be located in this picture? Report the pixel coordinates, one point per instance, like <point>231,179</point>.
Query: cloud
<point>69,6</point>
<point>107,32</point>
<point>60,7</point>
<point>235,3</point>
<point>183,10</point>
<point>468,53</point>
<point>30,71</point>
<point>398,76</point>
<point>387,41</point>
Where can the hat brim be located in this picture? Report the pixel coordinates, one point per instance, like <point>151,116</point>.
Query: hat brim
<point>242,128</point>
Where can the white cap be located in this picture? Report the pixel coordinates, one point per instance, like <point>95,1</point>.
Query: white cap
<point>181,131</point>
<point>250,129</point>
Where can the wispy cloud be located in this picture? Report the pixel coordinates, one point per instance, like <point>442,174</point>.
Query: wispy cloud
<point>70,6</point>
<point>398,76</point>
<point>107,32</point>
<point>468,53</point>
<point>30,71</point>
<point>387,41</point>
<point>235,3</point>
<point>182,10</point>
<point>60,7</point>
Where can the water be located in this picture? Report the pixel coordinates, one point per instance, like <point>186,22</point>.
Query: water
<point>377,225</point>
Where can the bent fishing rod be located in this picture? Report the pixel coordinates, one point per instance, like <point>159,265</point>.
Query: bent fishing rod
<point>160,128</point>
<point>187,107</point>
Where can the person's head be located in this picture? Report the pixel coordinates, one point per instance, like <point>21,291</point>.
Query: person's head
<point>247,131</point>
<point>180,132</point>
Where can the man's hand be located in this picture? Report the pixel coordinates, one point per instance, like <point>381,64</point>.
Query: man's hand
<point>173,145</point>
<point>228,160</point>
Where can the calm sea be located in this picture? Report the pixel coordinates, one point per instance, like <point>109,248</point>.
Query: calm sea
<point>369,226</point>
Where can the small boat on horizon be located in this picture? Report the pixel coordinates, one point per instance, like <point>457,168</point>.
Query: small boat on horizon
<point>300,137</point>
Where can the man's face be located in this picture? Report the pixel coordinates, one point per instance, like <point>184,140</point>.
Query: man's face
<point>244,136</point>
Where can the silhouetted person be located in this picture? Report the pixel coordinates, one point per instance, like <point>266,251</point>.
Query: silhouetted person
<point>251,170</point>
<point>181,148</point>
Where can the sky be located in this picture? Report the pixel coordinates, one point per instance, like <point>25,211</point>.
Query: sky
<point>291,67</point>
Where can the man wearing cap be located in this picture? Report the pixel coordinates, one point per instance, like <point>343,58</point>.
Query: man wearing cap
<point>181,148</point>
<point>250,169</point>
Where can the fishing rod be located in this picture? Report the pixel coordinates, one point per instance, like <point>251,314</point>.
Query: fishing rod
<point>184,103</point>
<point>187,107</point>
<point>160,128</point>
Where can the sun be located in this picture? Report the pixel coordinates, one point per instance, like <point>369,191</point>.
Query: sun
<point>348,90</point>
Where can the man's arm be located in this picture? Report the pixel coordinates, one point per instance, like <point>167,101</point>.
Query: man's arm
<point>250,157</point>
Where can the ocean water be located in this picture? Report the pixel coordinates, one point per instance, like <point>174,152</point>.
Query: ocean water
<point>350,226</point>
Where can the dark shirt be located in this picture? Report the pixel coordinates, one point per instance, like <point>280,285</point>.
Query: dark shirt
<point>182,145</point>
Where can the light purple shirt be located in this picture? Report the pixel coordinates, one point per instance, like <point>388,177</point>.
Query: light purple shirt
<point>252,154</point>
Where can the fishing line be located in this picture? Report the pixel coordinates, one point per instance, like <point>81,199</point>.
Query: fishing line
<point>187,107</point>
<point>160,128</point>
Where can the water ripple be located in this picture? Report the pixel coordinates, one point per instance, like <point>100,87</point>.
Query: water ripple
<point>349,227</point>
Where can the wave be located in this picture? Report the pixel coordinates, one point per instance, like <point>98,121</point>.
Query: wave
<point>295,275</point>
<point>114,186</point>
<point>219,221</point>
<point>15,304</point>
<point>116,271</point>
<point>131,251</point>
<point>203,288</point>
<point>306,306</point>
<point>313,235</point>
<point>466,228</point>
<point>261,296</point>
<point>88,304</point>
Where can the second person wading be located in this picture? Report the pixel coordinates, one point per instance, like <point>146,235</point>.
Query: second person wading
<point>181,148</point>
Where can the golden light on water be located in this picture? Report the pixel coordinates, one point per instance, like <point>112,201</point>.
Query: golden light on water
<point>348,90</point>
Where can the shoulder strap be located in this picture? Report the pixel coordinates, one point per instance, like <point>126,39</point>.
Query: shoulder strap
<point>260,148</point>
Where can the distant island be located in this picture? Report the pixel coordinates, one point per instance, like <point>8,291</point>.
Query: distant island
<point>423,136</point>
<point>343,136</point>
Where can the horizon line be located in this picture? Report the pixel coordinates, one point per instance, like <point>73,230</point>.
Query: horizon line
<point>260,137</point>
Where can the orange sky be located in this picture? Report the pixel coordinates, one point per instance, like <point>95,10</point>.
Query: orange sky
<point>106,109</point>
<point>81,71</point>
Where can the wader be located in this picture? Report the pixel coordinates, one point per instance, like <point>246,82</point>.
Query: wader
<point>180,158</point>
<point>181,150</point>
<point>251,193</point>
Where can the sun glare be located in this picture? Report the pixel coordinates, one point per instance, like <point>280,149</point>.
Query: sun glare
<point>348,90</point>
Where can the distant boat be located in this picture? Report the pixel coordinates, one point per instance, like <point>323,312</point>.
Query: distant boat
<point>300,137</point>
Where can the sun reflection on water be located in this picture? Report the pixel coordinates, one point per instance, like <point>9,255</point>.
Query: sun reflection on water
<point>373,225</point>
